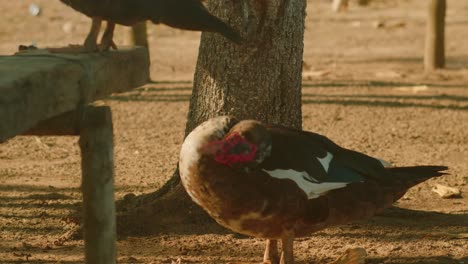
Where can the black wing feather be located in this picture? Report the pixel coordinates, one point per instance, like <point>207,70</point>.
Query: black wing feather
<point>300,150</point>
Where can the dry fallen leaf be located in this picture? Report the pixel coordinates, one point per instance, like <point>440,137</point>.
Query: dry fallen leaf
<point>352,256</point>
<point>388,25</point>
<point>446,191</point>
<point>378,24</point>
<point>177,261</point>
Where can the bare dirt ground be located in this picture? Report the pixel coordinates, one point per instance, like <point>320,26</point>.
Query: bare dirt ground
<point>364,87</point>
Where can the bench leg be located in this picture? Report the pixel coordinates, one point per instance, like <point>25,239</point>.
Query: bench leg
<point>97,165</point>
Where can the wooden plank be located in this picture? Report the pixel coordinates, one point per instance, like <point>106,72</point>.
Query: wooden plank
<point>37,85</point>
<point>97,165</point>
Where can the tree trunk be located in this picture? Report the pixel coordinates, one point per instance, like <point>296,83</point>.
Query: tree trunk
<point>434,56</point>
<point>260,79</point>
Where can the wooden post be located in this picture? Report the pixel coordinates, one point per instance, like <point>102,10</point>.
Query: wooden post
<point>140,35</point>
<point>434,56</point>
<point>339,5</point>
<point>97,164</point>
<point>363,2</point>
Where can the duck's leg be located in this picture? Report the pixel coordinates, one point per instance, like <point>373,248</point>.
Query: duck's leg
<point>107,40</point>
<point>90,43</point>
<point>271,252</point>
<point>287,254</point>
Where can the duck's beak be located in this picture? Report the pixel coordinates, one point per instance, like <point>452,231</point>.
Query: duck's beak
<point>213,147</point>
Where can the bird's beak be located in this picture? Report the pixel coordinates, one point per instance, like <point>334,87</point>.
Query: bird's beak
<point>212,148</point>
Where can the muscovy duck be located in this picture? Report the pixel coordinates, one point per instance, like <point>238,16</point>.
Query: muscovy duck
<point>278,183</point>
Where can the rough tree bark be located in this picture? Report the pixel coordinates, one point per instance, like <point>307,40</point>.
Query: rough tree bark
<point>260,79</point>
<point>434,56</point>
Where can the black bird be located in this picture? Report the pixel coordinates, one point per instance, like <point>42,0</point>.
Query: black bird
<point>183,14</point>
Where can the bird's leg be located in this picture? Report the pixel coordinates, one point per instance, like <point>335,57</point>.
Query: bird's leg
<point>271,252</point>
<point>287,254</point>
<point>90,43</point>
<point>107,41</point>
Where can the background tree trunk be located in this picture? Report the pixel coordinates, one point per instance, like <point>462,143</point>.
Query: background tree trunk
<point>434,56</point>
<point>260,79</point>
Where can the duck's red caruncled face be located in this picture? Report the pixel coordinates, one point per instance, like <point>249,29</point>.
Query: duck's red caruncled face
<point>232,149</point>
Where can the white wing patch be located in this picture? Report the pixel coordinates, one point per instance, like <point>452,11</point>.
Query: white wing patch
<point>325,161</point>
<point>312,190</point>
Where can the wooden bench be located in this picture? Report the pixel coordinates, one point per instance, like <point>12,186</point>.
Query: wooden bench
<point>43,93</point>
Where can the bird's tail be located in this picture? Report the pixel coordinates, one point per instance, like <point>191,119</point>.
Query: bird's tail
<point>217,25</point>
<point>361,200</point>
<point>193,15</point>
<point>417,174</point>
<point>407,177</point>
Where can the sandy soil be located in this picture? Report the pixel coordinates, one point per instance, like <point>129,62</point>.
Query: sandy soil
<point>364,87</point>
